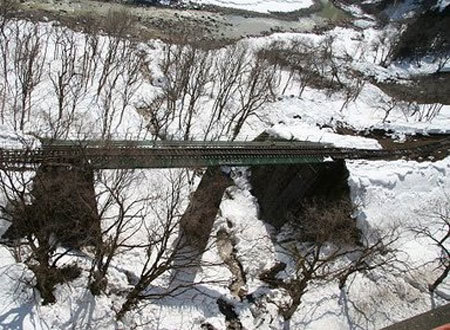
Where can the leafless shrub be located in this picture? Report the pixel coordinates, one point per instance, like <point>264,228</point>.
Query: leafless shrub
<point>322,222</point>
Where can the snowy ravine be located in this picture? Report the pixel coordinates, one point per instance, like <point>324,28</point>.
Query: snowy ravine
<point>387,194</point>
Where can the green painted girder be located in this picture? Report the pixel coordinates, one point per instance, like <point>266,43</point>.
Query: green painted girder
<point>179,162</point>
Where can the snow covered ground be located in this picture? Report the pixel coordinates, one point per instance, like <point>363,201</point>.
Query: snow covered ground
<point>262,6</point>
<point>386,194</point>
<point>442,4</point>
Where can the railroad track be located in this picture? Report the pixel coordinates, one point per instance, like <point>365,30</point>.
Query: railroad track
<point>151,154</point>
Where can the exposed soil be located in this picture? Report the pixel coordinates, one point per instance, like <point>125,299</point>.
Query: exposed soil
<point>217,25</point>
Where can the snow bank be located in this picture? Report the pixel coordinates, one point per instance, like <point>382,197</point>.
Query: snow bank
<point>305,133</point>
<point>389,190</point>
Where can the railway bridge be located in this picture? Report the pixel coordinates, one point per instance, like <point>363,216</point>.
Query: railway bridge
<point>283,173</point>
<point>172,154</point>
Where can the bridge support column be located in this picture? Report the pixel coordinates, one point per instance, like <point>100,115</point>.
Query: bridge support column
<point>63,205</point>
<point>198,220</point>
<point>282,189</point>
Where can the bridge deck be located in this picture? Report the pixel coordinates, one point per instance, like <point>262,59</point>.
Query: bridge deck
<point>151,154</point>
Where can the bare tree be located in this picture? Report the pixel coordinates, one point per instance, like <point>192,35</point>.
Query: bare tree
<point>426,112</point>
<point>120,75</point>
<point>4,73</point>
<point>158,117</point>
<point>90,59</point>
<point>387,106</point>
<point>435,227</point>
<point>28,58</point>
<point>328,249</point>
<point>187,76</point>
<point>39,225</point>
<point>353,90</point>
<point>384,46</point>
<point>121,216</point>
<point>309,64</point>
<point>228,67</point>
<point>67,81</point>
<point>442,59</point>
<point>255,89</point>
<point>167,252</point>
<point>299,58</point>
<point>200,76</point>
